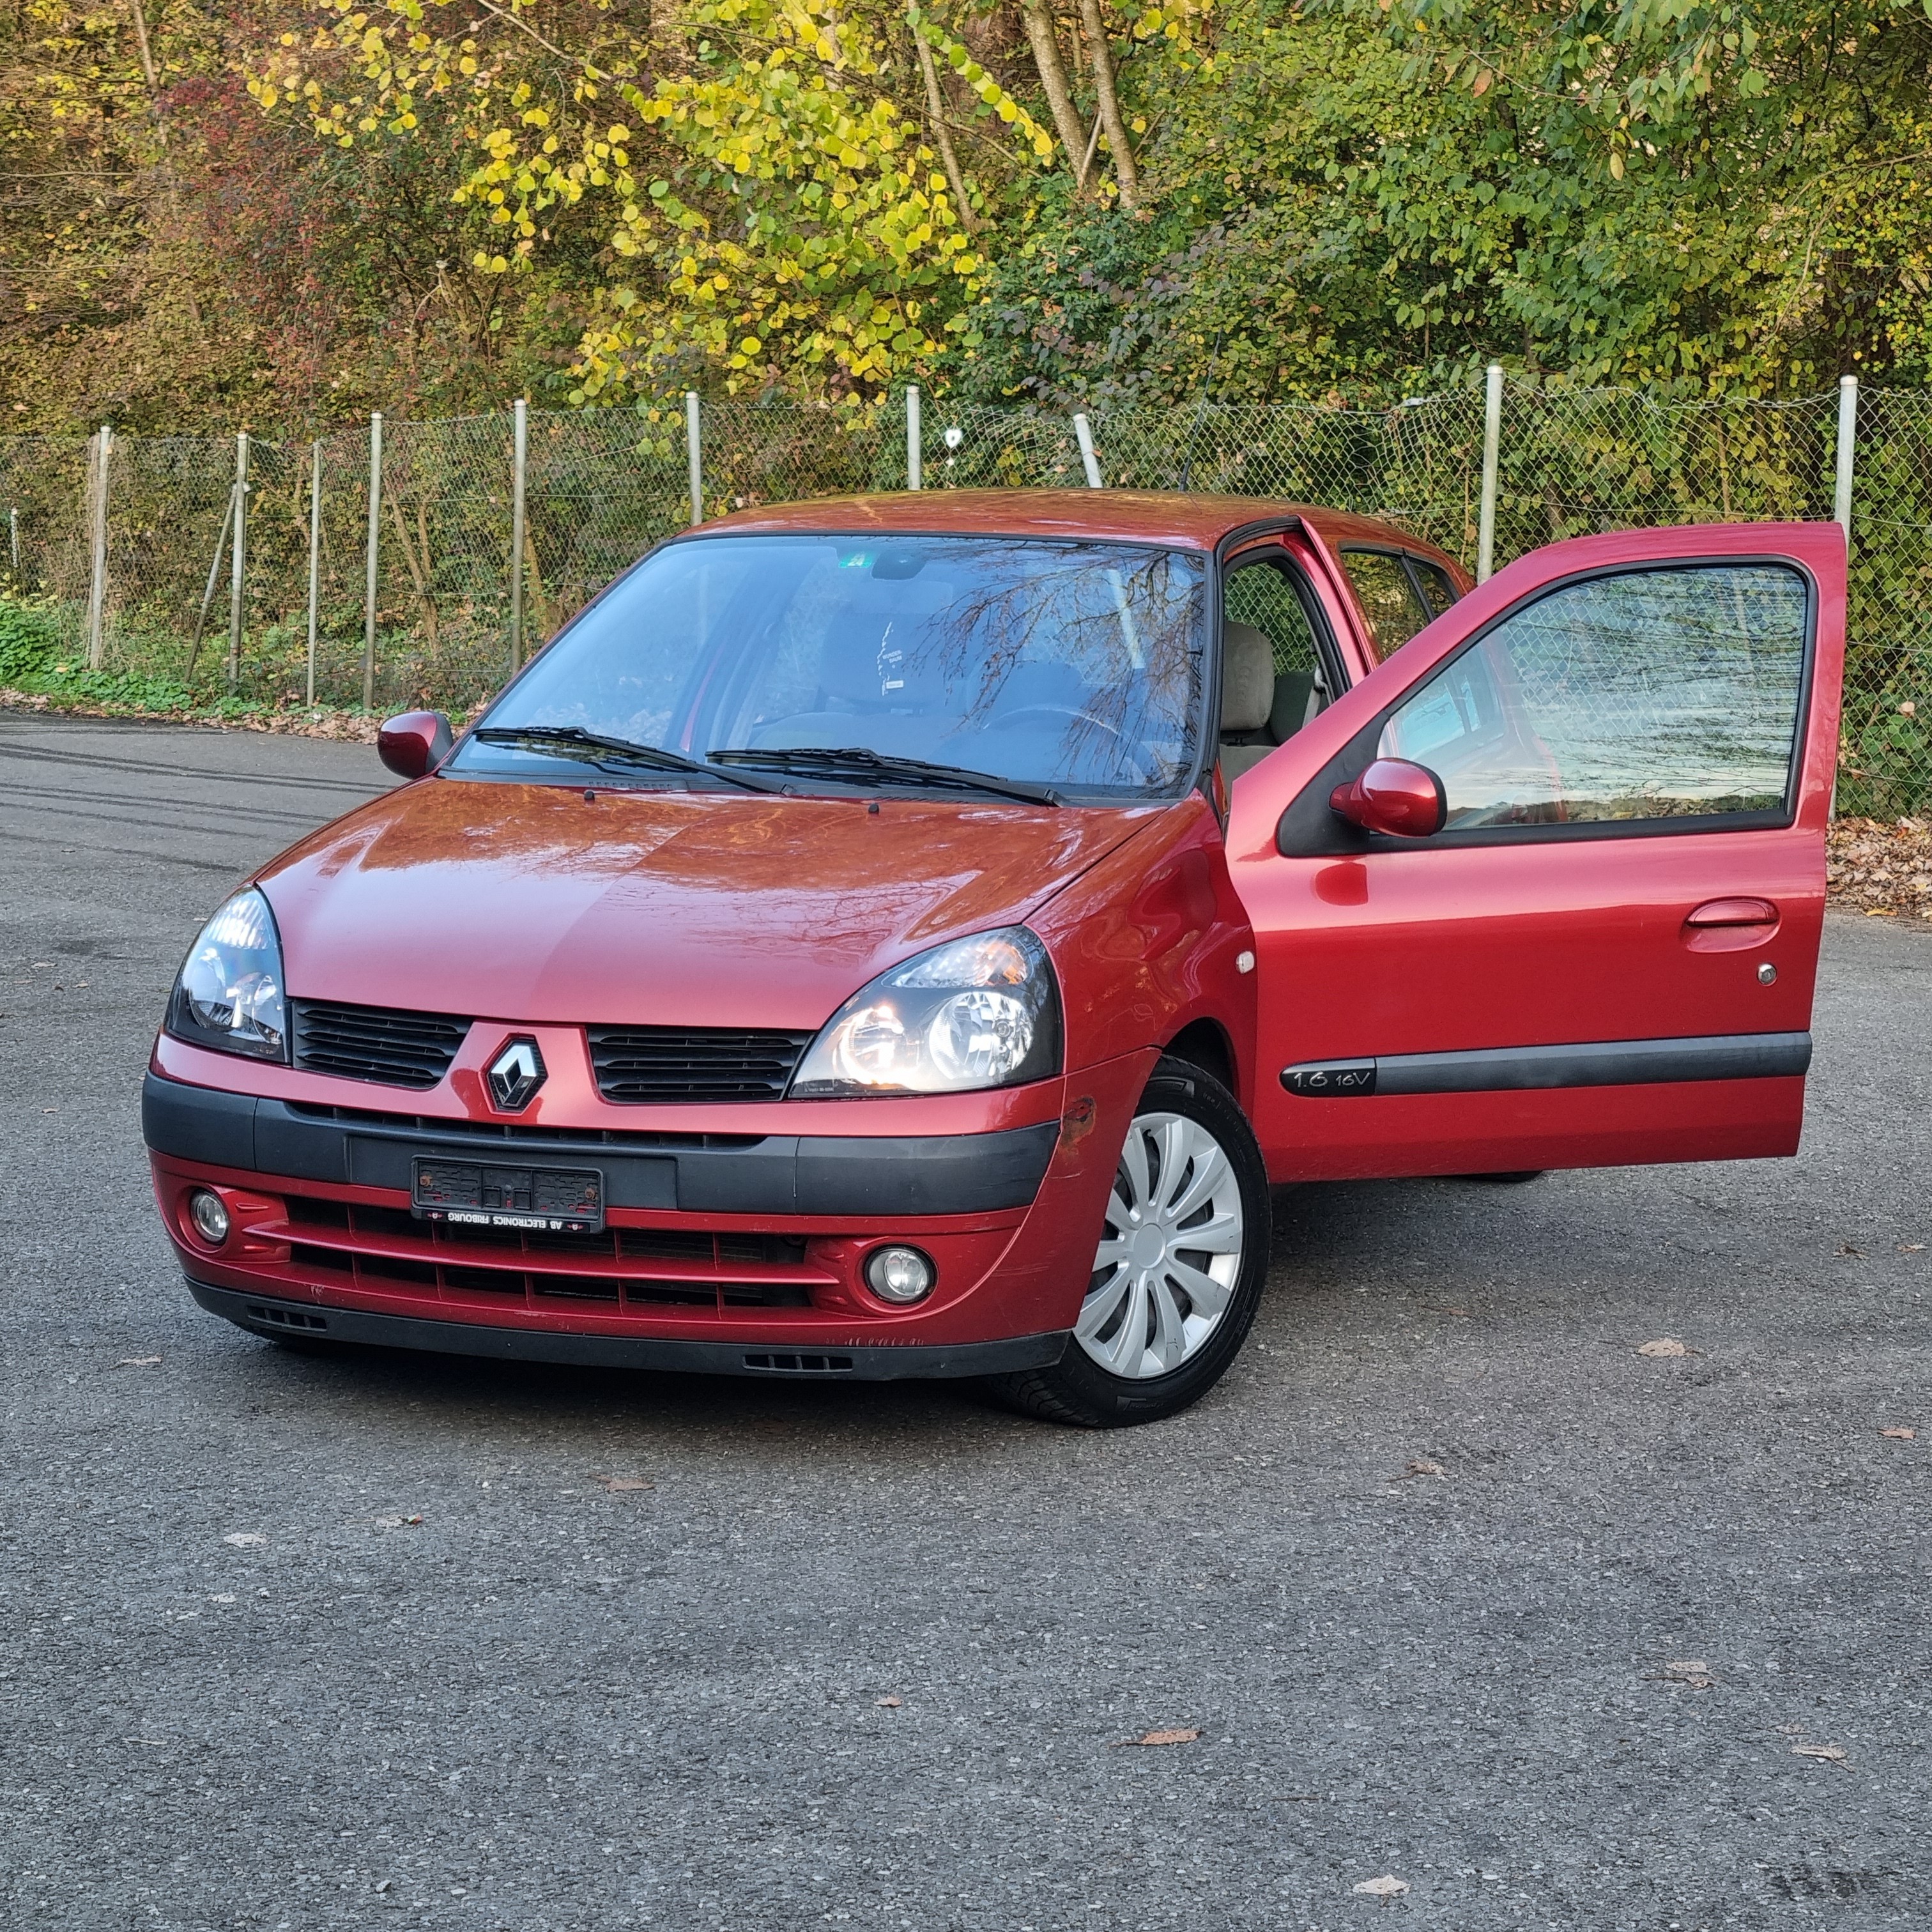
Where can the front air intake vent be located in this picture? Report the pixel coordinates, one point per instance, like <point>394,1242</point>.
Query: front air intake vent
<point>399,1049</point>
<point>639,1064</point>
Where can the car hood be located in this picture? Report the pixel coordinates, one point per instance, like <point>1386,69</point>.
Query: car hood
<point>537,903</point>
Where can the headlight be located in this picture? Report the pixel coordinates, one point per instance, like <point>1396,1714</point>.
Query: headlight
<point>229,992</point>
<point>977,1012</point>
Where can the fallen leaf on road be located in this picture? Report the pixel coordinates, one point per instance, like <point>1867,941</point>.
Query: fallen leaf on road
<point>1911,1247</point>
<point>244,1539</point>
<point>1388,1886</point>
<point>1830,1754</point>
<point>1663,1345</point>
<point>1691,1670</point>
<point>1423,1466</point>
<point>398,1522</point>
<point>890,1703</point>
<point>1161,1737</point>
<point>615,1483</point>
<point>137,1361</point>
<point>1900,1435</point>
<point>1847,1248</point>
<point>1880,912</point>
<point>1438,1308</point>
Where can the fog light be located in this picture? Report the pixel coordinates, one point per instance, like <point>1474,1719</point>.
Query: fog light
<point>209,1216</point>
<point>899,1274</point>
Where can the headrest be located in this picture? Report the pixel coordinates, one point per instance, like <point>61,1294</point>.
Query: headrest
<point>1247,678</point>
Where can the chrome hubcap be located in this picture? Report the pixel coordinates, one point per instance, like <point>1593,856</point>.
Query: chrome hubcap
<point>1171,1254</point>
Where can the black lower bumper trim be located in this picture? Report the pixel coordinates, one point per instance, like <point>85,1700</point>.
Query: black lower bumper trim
<point>779,1174</point>
<point>262,1316</point>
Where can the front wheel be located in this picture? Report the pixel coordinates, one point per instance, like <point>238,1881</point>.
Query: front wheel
<point>1178,1270</point>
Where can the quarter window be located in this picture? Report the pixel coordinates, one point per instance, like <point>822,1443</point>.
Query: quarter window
<point>1647,695</point>
<point>1388,597</point>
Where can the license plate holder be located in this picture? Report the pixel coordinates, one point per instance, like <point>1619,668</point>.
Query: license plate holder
<point>508,1194</point>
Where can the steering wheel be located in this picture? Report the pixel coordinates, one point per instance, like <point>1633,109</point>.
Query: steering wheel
<point>1141,774</point>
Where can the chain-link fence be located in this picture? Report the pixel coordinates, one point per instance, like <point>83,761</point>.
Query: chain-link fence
<point>600,487</point>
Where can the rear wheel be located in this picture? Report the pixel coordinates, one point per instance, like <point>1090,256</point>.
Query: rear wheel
<point>1178,1269</point>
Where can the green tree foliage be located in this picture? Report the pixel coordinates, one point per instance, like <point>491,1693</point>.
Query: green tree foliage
<point>304,208</point>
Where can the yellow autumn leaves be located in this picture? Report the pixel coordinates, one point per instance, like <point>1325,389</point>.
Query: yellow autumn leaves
<point>765,202</point>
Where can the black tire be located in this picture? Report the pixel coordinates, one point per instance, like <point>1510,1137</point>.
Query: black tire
<point>1078,1389</point>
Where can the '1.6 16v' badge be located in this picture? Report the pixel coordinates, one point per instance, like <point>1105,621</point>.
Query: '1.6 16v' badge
<point>515,1074</point>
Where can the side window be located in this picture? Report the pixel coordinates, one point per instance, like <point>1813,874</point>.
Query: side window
<point>1438,587</point>
<point>1388,597</point>
<point>1648,695</point>
<point>1261,595</point>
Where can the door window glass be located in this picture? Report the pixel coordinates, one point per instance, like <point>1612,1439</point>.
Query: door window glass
<point>1387,597</point>
<point>1438,588</point>
<point>1653,694</point>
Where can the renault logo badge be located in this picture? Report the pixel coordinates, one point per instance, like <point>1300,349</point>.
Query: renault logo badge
<point>515,1074</point>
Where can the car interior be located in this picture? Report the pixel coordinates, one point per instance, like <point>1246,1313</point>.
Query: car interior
<point>1275,676</point>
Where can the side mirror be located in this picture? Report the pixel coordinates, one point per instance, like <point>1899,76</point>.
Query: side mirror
<point>416,742</point>
<point>1396,796</point>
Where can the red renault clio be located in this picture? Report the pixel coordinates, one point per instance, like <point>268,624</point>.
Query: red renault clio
<point>907,935</point>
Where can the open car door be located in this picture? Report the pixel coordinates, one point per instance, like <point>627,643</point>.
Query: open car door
<point>1606,954</point>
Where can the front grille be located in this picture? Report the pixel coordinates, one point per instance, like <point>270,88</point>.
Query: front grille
<point>400,1049</point>
<point>379,1248</point>
<point>638,1064</point>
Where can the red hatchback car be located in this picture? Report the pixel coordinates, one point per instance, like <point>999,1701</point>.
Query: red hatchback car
<point>907,936</point>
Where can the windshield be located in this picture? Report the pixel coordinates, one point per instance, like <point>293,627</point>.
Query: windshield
<point>1071,665</point>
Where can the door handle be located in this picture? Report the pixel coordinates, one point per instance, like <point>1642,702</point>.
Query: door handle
<point>1729,925</point>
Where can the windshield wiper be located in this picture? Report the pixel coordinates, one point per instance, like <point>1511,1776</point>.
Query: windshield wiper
<point>855,762</point>
<point>593,748</point>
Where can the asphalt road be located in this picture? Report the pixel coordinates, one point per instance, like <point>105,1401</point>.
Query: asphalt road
<point>244,1686</point>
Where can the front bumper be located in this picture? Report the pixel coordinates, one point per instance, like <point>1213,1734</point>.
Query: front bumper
<point>731,1253</point>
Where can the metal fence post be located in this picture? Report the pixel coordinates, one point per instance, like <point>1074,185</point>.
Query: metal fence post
<point>314,554</point>
<point>915,454</point>
<point>1083,434</point>
<point>1493,443</point>
<point>237,558</point>
<point>14,540</point>
<point>1848,433</point>
<point>519,452</point>
<point>694,455</point>
<point>375,545</point>
<point>97,589</point>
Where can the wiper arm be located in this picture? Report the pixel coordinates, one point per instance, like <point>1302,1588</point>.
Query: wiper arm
<point>854,761</point>
<point>593,748</point>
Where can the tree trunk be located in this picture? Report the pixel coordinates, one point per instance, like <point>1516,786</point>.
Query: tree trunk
<point>1053,80</point>
<point>420,571</point>
<point>942,137</point>
<point>1101,55</point>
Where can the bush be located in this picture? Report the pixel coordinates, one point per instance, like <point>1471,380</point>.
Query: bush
<point>30,637</point>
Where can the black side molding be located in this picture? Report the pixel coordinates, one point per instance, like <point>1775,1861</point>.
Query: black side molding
<point>1603,1063</point>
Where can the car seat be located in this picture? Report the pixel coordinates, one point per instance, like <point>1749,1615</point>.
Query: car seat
<point>1260,708</point>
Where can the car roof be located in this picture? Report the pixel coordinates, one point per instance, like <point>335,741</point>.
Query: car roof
<point>1175,518</point>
